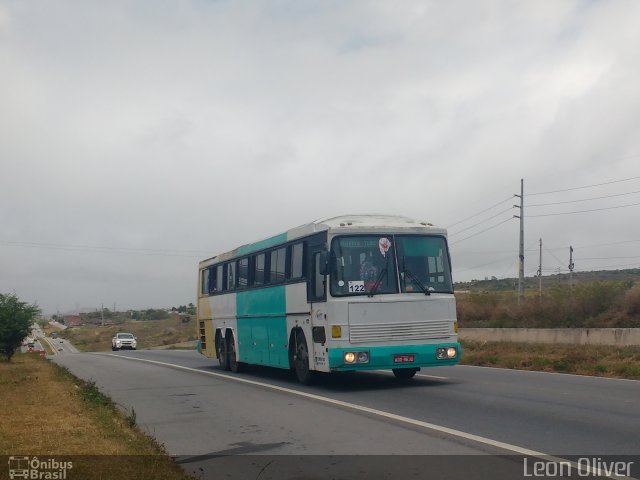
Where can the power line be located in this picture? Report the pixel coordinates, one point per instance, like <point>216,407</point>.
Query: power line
<point>106,249</point>
<point>483,265</point>
<point>582,200</point>
<point>604,267</point>
<point>479,223</point>
<point>586,186</point>
<point>476,214</point>
<point>581,247</point>
<point>553,255</point>
<point>583,211</point>
<point>482,231</point>
<point>607,258</point>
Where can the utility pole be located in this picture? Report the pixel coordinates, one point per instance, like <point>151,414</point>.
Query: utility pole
<point>102,313</point>
<point>521,263</point>
<point>540,271</point>
<point>571,265</point>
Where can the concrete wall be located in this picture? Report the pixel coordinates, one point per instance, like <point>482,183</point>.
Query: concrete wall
<point>576,336</point>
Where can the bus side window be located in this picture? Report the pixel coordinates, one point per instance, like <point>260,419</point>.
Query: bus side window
<point>260,269</point>
<point>230,283</point>
<point>297,258</point>
<point>219,278</point>
<point>243,272</point>
<point>318,286</point>
<point>212,280</point>
<point>205,282</point>
<point>277,265</point>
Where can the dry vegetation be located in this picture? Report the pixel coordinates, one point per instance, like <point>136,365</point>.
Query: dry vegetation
<point>598,360</point>
<point>48,412</point>
<point>150,333</point>
<point>598,304</point>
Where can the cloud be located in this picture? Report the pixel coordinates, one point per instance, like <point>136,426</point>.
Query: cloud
<point>206,125</point>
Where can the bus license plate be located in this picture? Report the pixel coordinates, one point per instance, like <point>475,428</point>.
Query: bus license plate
<point>403,358</point>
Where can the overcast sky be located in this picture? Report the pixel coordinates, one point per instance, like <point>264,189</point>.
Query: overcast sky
<point>139,137</point>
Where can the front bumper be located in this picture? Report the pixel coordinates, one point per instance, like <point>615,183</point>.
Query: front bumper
<point>382,357</point>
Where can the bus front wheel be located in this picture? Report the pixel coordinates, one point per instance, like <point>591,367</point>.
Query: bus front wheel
<point>301,359</point>
<point>405,373</point>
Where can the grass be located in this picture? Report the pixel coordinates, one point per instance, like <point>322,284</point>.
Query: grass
<point>596,360</point>
<point>50,413</point>
<point>150,333</point>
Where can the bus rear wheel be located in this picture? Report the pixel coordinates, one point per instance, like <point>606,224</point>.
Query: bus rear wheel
<point>234,365</point>
<point>405,373</point>
<point>222,352</point>
<point>301,359</point>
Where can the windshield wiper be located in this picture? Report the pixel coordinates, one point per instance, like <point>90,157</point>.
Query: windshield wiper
<point>378,282</point>
<point>414,279</point>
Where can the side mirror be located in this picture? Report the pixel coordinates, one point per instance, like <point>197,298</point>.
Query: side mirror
<point>323,263</point>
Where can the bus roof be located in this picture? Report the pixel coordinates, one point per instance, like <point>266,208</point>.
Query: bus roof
<point>339,224</point>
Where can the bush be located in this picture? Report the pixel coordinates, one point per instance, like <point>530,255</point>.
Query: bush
<point>597,304</point>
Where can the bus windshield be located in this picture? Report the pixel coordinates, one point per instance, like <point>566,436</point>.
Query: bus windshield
<point>363,265</point>
<point>372,264</point>
<point>423,263</point>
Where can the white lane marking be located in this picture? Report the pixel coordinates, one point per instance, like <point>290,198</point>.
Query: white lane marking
<point>550,373</point>
<point>380,413</point>
<point>432,376</point>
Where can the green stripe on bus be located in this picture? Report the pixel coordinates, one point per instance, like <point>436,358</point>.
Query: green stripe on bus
<point>262,326</point>
<point>266,243</point>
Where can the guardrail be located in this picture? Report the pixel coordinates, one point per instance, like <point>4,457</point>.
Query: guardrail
<point>621,337</point>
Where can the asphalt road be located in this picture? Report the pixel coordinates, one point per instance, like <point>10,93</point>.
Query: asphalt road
<point>200,412</point>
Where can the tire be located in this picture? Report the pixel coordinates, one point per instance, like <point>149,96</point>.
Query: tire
<point>405,373</point>
<point>234,365</point>
<point>301,359</point>
<point>223,353</point>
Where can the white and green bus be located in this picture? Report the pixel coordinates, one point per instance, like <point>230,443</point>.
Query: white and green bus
<point>362,292</point>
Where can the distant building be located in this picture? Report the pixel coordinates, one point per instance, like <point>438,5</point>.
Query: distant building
<point>72,320</point>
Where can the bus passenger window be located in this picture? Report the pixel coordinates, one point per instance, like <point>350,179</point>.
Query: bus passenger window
<point>278,262</point>
<point>296,260</point>
<point>205,281</point>
<point>219,278</point>
<point>243,273</point>
<point>212,279</point>
<point>259,276</point>
<point>318,279</point>
<point>231,276</point>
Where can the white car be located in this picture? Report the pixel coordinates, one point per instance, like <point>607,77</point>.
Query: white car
<point>123,341</point>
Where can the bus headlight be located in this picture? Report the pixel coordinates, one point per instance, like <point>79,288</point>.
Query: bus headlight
<point>349,357</point>
<point>444,353</point>
<point>363,357</point>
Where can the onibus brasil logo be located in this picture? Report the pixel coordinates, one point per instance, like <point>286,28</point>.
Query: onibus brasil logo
<point>37,469</point>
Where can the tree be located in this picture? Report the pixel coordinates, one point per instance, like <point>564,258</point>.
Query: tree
<point>16,318</point>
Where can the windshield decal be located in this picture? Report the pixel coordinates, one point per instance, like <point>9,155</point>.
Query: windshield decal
<point>384,244</point>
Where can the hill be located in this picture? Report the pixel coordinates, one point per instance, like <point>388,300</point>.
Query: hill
<point>562,279</point>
